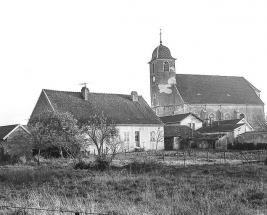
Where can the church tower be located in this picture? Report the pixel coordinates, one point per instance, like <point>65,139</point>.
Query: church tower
<point>163,91</point>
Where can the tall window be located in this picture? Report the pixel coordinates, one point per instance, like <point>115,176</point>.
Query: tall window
<point>137,138</point>
<point>227,116</point>
<point>152,136</point>
<point>166,66</point>
<point>126,139</point>
<point>211,118</point>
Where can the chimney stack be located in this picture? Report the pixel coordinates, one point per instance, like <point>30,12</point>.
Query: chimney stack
<point>134,96</point>
<point>85,93</point>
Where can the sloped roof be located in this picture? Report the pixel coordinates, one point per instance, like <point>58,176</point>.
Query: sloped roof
<point>161,52</point>
<point>117,107</point>
<point>226,122</point>
<point>177,118</point>
<point>182,131</point>
<point>210,89</point>
<point>219,128</point>
<point>5,130</point>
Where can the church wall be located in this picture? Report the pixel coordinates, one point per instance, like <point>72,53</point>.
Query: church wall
<point>204,111</point>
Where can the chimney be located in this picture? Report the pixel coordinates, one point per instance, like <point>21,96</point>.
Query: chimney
<point>134,96</point>
<point>85,93</point>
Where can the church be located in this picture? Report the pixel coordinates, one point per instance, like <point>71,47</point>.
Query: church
<point>210,97</point>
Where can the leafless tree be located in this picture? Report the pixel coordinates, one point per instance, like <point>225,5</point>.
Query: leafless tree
<point>259,122</point>
<point>159,137</point>
<point>101,132</point>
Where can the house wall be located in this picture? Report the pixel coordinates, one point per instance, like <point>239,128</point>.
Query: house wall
<point>250,111</point>
<point>145,137</point>
<point>253,137</point>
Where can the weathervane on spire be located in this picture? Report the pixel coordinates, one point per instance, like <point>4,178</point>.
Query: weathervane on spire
<point>160,37</point>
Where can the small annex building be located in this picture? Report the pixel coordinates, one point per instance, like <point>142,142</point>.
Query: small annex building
<point>179,137</point>
<point>136,121</point>
<point>255,137</point>
<point>227,132</point>
<point>7,137</point>
<point>188,119</point>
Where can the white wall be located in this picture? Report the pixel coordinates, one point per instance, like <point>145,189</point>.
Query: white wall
<point>192,119</point>
<point>144,137</point>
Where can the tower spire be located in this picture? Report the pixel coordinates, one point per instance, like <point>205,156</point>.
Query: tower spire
<point>160,37</point>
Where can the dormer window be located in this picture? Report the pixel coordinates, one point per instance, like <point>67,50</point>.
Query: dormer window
<point>166,66</point>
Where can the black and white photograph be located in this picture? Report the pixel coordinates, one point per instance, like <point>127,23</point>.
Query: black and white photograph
<point>133,107</point>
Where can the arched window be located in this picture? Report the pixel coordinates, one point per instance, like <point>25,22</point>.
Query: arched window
<point>153,79</point>
<point>227,116</point>
<point>211,118</point>
<point>242,116</point>
<point>166,66</point>
<point>153,68</point>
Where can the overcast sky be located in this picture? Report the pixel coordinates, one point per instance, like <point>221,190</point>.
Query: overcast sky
<point>60,44</point>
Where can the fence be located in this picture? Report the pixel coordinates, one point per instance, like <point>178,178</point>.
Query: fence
<point>196,156</point>
<point>23,210</point>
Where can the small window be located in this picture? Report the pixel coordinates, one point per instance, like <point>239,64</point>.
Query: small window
<point>153,79</point>
<point>153,68</point>
<point>166,66</point>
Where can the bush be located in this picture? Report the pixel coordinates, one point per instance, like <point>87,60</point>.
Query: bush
<point>100,163</point>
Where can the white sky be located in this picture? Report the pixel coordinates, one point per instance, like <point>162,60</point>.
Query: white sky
<point>59,44</point>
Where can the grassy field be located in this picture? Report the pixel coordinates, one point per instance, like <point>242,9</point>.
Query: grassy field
<point>139,188</point>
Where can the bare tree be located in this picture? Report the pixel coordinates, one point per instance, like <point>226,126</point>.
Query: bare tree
<point>259,122</point>
<point>101,132</point>
<point>114,145</point>
<point>159,137</point>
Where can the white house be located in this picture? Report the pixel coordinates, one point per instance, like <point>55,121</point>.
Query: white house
<point>137,123</point>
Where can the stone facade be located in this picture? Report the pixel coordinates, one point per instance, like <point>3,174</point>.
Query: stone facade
<point>229,97</point>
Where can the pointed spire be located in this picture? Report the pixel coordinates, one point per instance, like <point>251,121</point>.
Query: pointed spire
<point>160,37</point>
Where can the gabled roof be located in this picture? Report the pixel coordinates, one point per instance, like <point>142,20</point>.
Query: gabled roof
<point>5,131</point>
<point>219,128</point>
<point>177,118</point>
<point>211,89</point>
<point>182,131</point>
<point>117,107</point>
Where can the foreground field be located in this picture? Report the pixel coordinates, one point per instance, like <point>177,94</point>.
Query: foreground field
<point>141,188</point>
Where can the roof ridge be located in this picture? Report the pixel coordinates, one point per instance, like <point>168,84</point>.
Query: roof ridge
<point>213,75</point>
<point>90,92</point>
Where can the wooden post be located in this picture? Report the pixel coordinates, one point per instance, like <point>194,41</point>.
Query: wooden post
<point>207,155</point>
<point>184,158</point>
<point>259,155</point>
<point>241,157</point>
<point>163,154</point>
<point>224,157</point>
<point>177,155</point>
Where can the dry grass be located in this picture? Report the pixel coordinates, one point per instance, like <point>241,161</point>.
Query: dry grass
<point>139,188</point>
